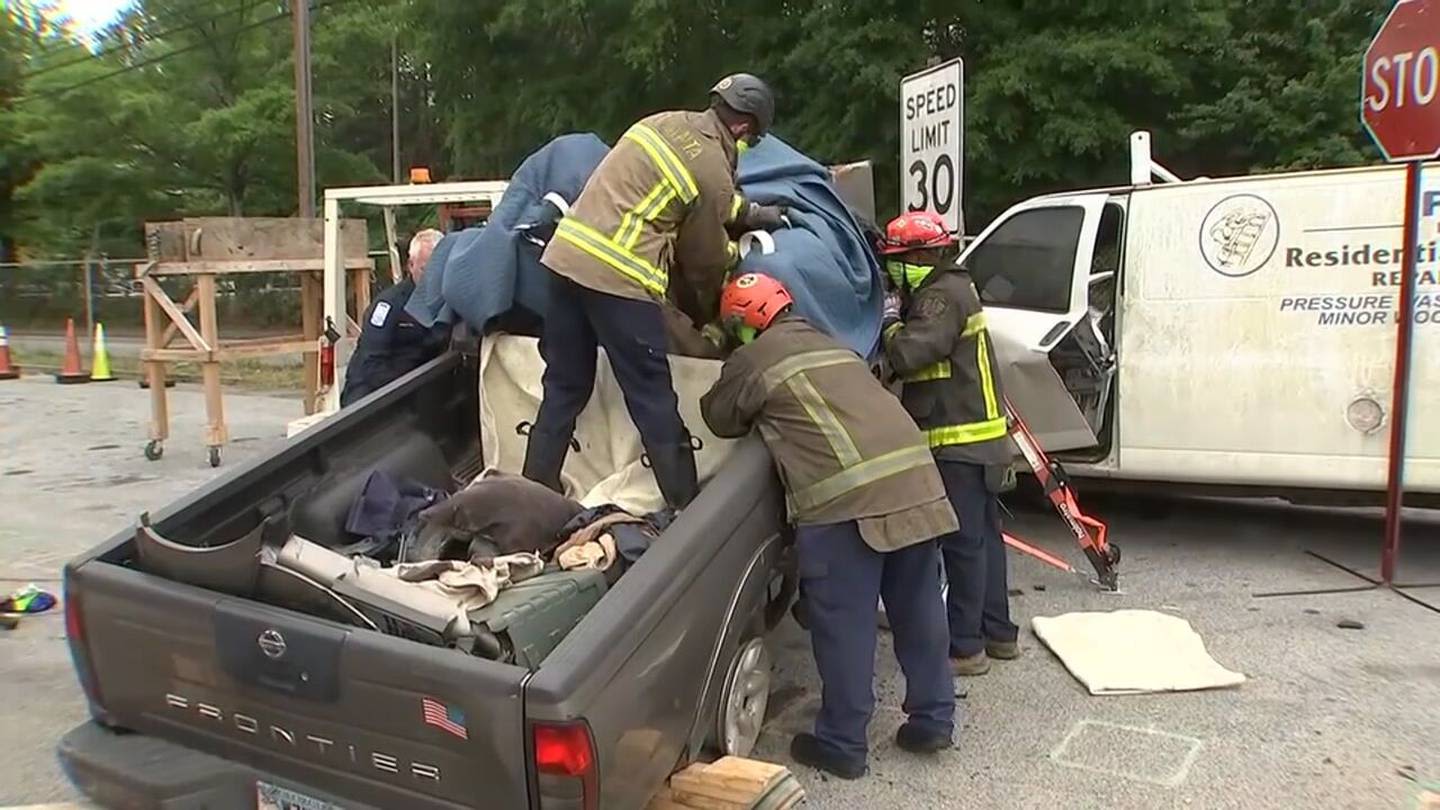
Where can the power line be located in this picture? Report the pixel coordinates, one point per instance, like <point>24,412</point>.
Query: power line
<point>139,36</point>
<point>164,56</point>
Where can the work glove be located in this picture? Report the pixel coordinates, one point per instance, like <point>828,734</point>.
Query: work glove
<point>765,217</point>
<point>890,313</point>
<point>713,335</point>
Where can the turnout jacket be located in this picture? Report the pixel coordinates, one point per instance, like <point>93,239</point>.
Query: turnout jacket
<point>660,199</point>
<point>943,355</point>
<point>844,446</point>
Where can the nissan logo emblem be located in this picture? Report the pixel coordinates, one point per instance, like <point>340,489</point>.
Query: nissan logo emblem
<point>272,644</point>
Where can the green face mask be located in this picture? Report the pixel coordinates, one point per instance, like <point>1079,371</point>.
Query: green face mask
<point>745,334</point>
<point>908,276</point>
<point>742,146</point>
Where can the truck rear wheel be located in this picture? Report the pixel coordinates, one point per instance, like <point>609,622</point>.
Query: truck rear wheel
<point>741,712</point>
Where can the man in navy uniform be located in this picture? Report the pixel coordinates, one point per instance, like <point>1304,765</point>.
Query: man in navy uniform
<point>392,343</point>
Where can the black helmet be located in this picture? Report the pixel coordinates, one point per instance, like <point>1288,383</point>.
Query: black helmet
<point>746,93</point>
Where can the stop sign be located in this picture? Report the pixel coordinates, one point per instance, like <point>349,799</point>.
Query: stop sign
<point>1400,96</point>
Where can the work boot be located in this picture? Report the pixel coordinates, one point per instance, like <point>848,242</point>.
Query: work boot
<point>1002,650</point>
<point>807,749</point>
<point>545,457</point>
<point>674,469</point>
<point>919,740</point>
<point>970,665</point>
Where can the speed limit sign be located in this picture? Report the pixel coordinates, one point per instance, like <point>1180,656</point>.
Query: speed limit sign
<point>932,139</point>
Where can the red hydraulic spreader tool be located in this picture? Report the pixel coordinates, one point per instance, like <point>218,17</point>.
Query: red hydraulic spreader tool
<point>1090,533</point>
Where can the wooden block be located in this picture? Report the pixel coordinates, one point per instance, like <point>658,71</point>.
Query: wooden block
<point>731,782</point>
<point>257,238</point>
<point>231,238</point>
<point>662,801</point>
<point>783,796</point>
<point>165,241</point>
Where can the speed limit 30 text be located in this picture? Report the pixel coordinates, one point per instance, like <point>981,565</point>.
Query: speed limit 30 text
<point>930,103</point>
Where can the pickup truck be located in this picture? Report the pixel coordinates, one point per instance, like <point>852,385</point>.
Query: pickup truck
<point>187,713</point>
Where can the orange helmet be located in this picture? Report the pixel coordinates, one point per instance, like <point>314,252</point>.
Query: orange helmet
<point>917,230</point>
<point>753,300</point>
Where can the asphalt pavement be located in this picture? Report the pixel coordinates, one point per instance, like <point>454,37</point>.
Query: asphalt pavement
<point>1330,717</point>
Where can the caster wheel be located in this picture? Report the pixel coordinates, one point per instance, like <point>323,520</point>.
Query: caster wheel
<point>214,457</point>
<point>154,450</point>
<point>1113,553</point>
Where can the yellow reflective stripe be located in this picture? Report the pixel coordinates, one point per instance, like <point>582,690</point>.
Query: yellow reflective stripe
<point>866,472</point>
<point>967,434</point>
<point>987,382</point>
<point>666,161</point>
<point>597,245</point>
<point>629,230</point>
<point>736,202</point>
<point>974,325</point>
<point>790,366</point>
<point>824,418</point>
<point>892,329</point>
<point>934,371</point>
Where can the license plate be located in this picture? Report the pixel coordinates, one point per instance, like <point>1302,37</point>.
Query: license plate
<point>274,797</point>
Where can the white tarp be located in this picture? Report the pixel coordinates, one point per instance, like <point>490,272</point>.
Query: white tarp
<point>607,468</point>
<point>1128,652</point>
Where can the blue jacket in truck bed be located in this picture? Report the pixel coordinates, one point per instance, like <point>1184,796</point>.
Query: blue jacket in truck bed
<point>479,273</point>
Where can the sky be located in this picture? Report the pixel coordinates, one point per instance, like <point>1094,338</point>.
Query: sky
<point>87,16</point>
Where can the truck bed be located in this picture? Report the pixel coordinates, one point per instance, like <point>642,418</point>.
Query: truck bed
<point>341,716</point>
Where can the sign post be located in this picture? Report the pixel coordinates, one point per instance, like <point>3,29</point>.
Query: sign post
<point>932,141</point>
<point>1400,110</point>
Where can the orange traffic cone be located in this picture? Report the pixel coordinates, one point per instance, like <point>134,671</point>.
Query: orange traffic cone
<point>71,372</point>
<point>8,370</point>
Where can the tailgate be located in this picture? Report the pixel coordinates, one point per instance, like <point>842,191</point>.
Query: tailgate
<point>351,713</point>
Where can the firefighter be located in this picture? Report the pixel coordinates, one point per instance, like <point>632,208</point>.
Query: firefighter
<point>660,202</point>
<point>942,353</point>
<point>867,502</point>
<point>392,343</point>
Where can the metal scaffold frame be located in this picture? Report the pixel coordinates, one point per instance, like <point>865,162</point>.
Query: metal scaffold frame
<point>388,198</point>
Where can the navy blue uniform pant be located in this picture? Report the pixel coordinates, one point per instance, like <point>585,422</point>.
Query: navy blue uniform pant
<point>842,577</point>
<point>577,321</point>
<point>978,604</point>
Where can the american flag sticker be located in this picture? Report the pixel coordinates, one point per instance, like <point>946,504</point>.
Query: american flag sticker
<point>443,716</point>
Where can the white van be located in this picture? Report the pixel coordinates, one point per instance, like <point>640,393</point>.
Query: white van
<point>1218,333</point>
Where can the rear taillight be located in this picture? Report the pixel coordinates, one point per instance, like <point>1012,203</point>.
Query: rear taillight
<point>80,649</point>
<point>565,752</point>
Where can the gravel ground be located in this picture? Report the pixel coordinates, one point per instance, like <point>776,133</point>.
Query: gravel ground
<point>1330,717</point>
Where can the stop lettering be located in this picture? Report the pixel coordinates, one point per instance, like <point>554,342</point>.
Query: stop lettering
<point>1400,97</point>
<point>1394,81</point>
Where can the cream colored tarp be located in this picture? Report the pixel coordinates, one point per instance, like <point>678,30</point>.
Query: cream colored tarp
<point>607,469</point>
<point>1126,652</point>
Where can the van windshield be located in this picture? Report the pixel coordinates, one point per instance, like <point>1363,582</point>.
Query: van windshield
<point>1028,261</point>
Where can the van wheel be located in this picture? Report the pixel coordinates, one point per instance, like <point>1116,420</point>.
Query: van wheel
<point>741,712</point>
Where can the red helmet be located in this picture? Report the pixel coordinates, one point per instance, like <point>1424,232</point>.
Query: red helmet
<point>753,300</point>
<point>916,230</point>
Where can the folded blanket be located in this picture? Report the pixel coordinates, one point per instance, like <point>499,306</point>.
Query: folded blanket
<point>467,585</point>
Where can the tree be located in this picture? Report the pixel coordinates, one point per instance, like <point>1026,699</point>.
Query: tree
<point>1284,89</point>
<point>18,34</point>
<point>1054,88</point>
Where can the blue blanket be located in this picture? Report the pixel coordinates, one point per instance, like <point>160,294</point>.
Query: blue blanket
<point>823,259</point>
<point>479,273</point>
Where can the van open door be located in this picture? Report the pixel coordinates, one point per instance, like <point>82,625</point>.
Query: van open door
<point>1050,308</point>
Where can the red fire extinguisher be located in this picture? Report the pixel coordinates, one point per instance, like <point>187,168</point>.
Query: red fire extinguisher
<point>327,354</point>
